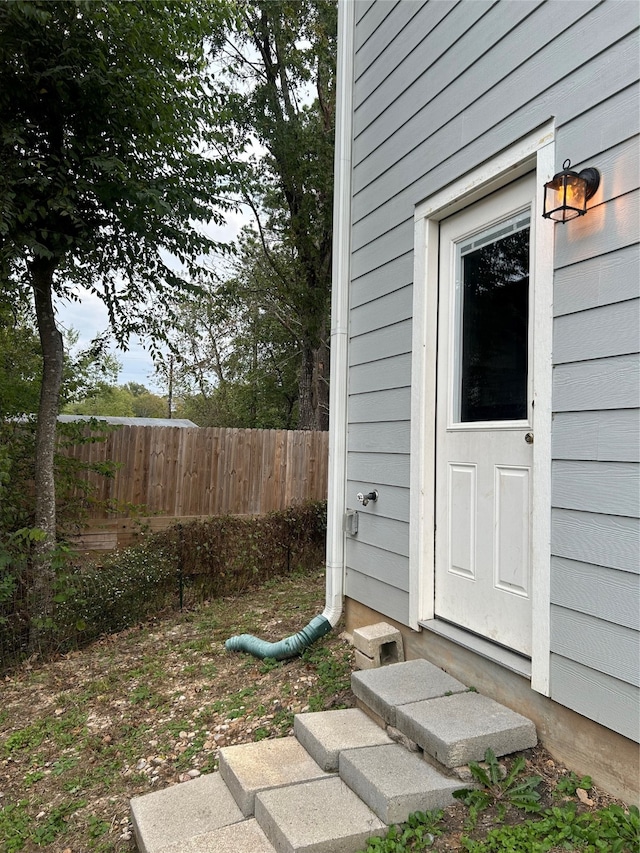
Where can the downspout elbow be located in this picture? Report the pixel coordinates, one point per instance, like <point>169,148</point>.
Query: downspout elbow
<point>289,647</point>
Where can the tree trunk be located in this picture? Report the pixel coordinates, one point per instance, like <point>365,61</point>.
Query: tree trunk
<point>313,388</point>
<point>45,509</point>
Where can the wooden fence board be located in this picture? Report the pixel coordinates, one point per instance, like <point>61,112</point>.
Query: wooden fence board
<point>190,473</point>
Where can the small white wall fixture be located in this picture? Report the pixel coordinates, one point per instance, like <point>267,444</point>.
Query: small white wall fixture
<point>536,152</point>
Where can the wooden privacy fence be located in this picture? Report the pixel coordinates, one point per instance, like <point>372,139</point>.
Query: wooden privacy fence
<point>184,473</point>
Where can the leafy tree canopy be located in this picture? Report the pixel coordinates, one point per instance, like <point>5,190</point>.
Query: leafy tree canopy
<point>278,60</point>
<point>106,109</point>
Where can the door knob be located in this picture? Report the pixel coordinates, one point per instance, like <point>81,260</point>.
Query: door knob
<point>529,438</point>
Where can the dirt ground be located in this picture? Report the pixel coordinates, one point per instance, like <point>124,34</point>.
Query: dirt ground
<point>150,707</point>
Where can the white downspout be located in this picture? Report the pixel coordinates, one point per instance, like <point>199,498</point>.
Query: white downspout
<point>340,314</point>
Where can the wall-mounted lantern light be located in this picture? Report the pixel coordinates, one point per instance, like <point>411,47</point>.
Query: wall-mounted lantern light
<point>567,193</point>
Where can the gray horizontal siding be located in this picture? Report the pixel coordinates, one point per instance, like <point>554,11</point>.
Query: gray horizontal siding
<point>394,245</point>
<point>441,88</point>
<point>600,281</point>
<point>398,78</point>
<point>379,563</point>
<point>589,641</point>
<point>381,597</point>
<point>442,153</point>
<point>380,437</point>
<point>388,405</point>
<point>608,701</point>
<point>608,436</point>
<point>379,468</point>
<point>604,487</point>
<point>596,591</point>
<point>394,499</point>
<point>599,332</point>
<point>606,383</point>
<point>377,61</point>
<point>590,238</point>
<point>369,17</point>
<point>362,7</point>
<point>482,61</point>
<point>382,281</point>
<point>377,375</point>
<point>605,125</point>
<point>604,540</point>
<point>384,342</point>
<point>388,309</point>
<point>387,534</point>
<point>455,149</point>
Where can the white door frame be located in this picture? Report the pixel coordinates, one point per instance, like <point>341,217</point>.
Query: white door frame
<point>534,152</point>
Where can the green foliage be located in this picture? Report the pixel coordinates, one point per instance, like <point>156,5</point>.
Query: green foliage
<point>14,825</point>
<point>97,827</point>
<point>102,107</point>
<point>228,554</point>
<point>119,401</point>
<point>106,120</point>
<point>610,830</point>
<point>105,400</point>
<point>569,784</point>
<point>418,833</point>
<point>74,493</point>
<point>500,787</point>
<point>20,359</point>
<point>277,61</point>
<point>236,354</point>
<point>221,556</point>
<point>334,677</point>
<point>54,823</point>
<point>62,731</point>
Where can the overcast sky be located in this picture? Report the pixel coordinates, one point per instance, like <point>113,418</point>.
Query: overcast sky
<point>89,319</point>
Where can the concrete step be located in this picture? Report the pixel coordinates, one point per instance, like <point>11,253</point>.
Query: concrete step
<point>323,816</point>
<point>460,728</point>
<point>394,782</point>
<point>177,814</point>
<point>325,734</point>
<point>249,768</point>
<point>387,688</point>
<point>243,837</point>
<point>285,795</point>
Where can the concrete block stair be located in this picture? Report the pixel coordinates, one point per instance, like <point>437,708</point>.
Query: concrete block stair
<point>344,776</point>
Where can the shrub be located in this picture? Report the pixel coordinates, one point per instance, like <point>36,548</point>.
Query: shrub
<point>182,565</point>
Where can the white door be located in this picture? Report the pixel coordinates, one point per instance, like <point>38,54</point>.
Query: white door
<point>484,418</point>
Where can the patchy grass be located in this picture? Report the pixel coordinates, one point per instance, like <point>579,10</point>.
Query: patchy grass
<point>151,706</point>
<point>140,710</point>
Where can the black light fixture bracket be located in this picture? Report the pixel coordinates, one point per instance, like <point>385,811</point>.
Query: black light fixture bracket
<point>592,177</point>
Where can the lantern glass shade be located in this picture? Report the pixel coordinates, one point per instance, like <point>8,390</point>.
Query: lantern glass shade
<point>567,193</point>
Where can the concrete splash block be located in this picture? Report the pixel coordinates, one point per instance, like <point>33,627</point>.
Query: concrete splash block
<point>460,728</point>
<point>388,687</point>
<point>394,782</point>
<point>324,734</point>
<point>323,816</point>
<point>377,645</point>
<point>175,814</point>
<point>251,767</point>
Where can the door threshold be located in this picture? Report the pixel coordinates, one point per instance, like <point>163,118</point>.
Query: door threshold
<point>479,645</point>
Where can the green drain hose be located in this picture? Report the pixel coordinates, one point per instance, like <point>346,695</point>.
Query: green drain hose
<point>287,648</point>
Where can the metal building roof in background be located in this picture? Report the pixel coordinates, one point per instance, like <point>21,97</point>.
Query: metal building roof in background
<point>183,423</point>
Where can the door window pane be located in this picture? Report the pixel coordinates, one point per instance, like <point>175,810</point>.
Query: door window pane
<point>493,304</point>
